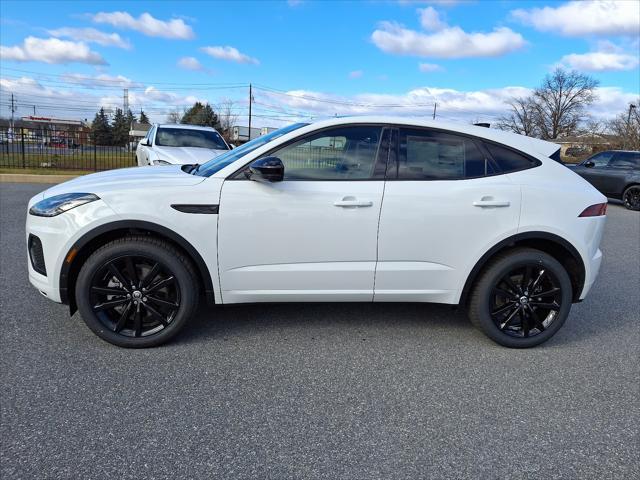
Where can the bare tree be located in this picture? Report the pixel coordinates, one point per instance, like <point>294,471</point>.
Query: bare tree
<point>520,118</point>
<point>174,116</point>
<point>561,101</point>
<point>626,128</point>
<point>227,117</point>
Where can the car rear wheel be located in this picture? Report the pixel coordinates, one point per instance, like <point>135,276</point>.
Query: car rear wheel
<point>137,292</point>
<point>631,197</point>
<point>521,299</point>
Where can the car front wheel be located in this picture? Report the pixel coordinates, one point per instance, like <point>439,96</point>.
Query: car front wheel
<point>631,197</point>
<point>521,299</point>
<point>137,292</point>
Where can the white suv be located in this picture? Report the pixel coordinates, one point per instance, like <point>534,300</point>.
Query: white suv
<point>365,209</point>
<point>179,144</point>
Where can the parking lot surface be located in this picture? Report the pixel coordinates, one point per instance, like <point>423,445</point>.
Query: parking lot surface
<point>329,391</point>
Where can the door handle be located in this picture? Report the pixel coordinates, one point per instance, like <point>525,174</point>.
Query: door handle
<point>352,202</point>
<point>490,202</point>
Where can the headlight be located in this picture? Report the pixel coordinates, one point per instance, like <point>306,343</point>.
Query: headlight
<point>52,206</point>
<point>161,162</point>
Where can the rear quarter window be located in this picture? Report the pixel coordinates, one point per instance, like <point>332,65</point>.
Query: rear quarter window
<point>509,160</point>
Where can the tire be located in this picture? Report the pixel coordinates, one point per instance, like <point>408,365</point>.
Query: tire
<point>144,312</point>
<point>496,307</point>
<point>631,198</point>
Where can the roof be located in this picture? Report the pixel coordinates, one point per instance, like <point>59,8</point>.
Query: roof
<point>185,126</point>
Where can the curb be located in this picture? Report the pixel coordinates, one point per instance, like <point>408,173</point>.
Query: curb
<point>28,178</point>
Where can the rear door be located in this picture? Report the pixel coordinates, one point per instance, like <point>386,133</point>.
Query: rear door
<point>443,206</point>
<point>615,180</point>
<point>312,236</point>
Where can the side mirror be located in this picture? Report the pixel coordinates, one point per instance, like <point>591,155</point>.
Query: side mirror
<point>589,164</point>
<point>145,142</point>
<point>267,169</point>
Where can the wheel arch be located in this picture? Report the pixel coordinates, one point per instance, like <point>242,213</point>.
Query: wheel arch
<point>94,239</point>
<point>552,244</point>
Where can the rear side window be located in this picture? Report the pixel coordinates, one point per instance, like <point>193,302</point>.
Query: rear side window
<point>509,160</point>
<point>431,155</point>
<point>625,160</point>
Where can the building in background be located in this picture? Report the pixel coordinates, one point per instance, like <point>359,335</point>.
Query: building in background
<point>241,134</point>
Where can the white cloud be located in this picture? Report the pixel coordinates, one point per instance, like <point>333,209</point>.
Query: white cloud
<point>430,19</point>
<point>429,67</point>
<point>455,105</point>
<point>91,35</point>
<point>100,81</point>
<point>51,50</point>
<point>146,24</point>
<point>82,102</point>
<point>444,41</point>
<point>190,63</point>
<point>582,18</point>
<point>230,54</point>
<point>356,74</point>
<point>600,61</point>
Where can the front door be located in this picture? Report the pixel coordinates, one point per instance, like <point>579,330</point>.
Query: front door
<point>312,236</point>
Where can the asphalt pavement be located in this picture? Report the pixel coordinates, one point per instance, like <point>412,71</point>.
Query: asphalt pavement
<point>331,391</point>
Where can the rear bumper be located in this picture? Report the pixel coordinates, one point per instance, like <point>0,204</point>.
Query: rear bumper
<point>593,268</point>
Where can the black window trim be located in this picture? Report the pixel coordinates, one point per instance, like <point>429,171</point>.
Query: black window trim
<point>379,157</point>
<point>534,161</point>
<point>478,141</point>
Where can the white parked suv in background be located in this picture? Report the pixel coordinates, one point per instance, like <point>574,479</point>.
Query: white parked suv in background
<point>364,209</point>
<point>179,144</point>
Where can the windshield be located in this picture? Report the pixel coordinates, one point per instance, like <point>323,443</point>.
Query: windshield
<point>218,163</point>
<point>186,137</point>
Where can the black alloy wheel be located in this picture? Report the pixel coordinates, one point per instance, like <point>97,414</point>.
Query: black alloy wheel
<point>521,298</point>
<point>631,197</point>
<point>526,301</point>
<point>134,295</point>
<point>137,291</point>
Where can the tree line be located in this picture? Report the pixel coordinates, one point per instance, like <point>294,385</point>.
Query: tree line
<point>116,130</point>
<point>559,107</point>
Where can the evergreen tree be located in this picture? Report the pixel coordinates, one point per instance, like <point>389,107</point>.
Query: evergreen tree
<point>200,114</point>
<point>131,118</point>
<point>143,118</point>
<point>120,128</point>
<point>100,129</point>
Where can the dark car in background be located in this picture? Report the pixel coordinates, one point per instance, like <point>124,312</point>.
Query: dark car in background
<point>616,173</point>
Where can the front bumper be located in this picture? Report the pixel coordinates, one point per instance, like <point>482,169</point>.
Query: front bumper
<point>57,235</point>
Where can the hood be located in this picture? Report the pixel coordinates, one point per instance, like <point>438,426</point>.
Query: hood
<point>185,155</point>
<point>138,178</point>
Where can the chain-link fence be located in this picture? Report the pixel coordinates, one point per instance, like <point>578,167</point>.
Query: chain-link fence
<point>63,150</point>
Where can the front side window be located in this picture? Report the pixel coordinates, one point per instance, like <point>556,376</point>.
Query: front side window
<point>600,160</point>
<point>432,155</point>
<point>343,153</point>
<point>183,137</point>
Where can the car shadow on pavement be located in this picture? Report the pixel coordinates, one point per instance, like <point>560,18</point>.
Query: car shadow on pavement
<point>235,320</point>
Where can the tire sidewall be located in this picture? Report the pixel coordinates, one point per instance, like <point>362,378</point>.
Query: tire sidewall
<point>624,198</point>
<point>498,271</point>
<point>185,281</point>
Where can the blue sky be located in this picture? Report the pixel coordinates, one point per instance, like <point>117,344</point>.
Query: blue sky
<point>330,57</point>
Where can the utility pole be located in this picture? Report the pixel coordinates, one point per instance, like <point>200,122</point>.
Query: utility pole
<point>125,101</point>
<point>435,105</point>
<point>628,133</point>
<point>13,109</point>
<point>250,101</point>
<point>34,110</point>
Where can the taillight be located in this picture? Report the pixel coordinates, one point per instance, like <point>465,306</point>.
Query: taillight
<point>597,210</point>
